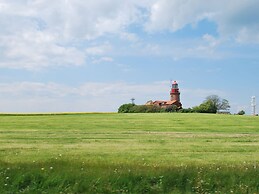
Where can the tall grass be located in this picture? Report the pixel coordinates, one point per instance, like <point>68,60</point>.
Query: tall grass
<point>75,177</point>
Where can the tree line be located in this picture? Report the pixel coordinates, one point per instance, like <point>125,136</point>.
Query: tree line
<point>212,104</point>
<point>133,108</point>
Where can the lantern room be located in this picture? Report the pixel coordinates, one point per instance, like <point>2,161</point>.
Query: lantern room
<point>175,88</point>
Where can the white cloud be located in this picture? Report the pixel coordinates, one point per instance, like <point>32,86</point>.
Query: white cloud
<point>44,33</point>
<point>204,48</point>
<point>75,19</point>
<point>211,40</point>
<point>36,34</point>
<point>239,20</point>
<point>174,15</point>
<point>235,19</point>
<point>248,35</point>
<point>34,50</point>
<point>34,89</point>
<point>99,49</point>
<point>103,59</point>
<point>129,36</point>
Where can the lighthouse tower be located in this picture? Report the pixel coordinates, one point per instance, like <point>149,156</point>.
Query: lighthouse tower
<point>175,94</point>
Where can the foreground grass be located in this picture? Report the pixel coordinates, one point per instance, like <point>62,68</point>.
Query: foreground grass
<point>73,177</point>
<point>129,153</point>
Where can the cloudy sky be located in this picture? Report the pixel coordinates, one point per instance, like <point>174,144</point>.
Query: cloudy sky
<point>84,56</point>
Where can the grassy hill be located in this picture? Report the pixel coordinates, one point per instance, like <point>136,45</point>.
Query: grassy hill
<point>129,153</point>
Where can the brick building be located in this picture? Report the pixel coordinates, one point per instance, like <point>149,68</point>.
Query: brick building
<point>174,98</point>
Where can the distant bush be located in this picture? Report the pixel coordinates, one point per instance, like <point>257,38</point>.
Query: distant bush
<point>242,112</point>
<point>186,110</point>
<point>171,108</point>
<point>153,109</point>
<point>132,108</point>
<point>138,109</point>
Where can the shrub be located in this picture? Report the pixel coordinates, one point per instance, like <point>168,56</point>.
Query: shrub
<point>125,108</point>
<point>139,109</point>
<point>242,112</point>
<point>171,108</point>
<point>132,108</point>
<point>186,110</point>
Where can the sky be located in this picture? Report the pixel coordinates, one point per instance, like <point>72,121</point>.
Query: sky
<point>93,56</point>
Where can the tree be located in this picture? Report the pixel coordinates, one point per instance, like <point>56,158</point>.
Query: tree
<point>206,107</point>
<point>218,103</point>
<point>212,104</point>
<point>242,112</point>
<point>125,108</point>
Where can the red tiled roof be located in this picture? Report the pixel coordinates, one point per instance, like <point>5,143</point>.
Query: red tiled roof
<point>163,102</point>
<point>170,102</point>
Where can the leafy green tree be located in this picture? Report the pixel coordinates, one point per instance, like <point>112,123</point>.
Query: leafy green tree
<point>218,103</point>
<point>126,108</point>
<point>212,104</point>
<point>206,107</point>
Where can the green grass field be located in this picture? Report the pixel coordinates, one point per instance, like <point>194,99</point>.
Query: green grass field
<point>129,153</point>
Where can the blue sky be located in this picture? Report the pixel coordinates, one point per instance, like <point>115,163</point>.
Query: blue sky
<point>86,56</point>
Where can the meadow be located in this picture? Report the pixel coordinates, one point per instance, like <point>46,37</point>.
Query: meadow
<point>129,153</point>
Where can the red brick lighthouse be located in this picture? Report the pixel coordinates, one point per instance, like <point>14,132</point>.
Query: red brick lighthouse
<point>174,98</point>
<point>175,95</point>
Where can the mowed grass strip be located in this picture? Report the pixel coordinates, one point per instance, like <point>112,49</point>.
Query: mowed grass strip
<point>137,145</point>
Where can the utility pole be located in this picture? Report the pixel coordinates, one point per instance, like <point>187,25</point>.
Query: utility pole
<point>253,105</point>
